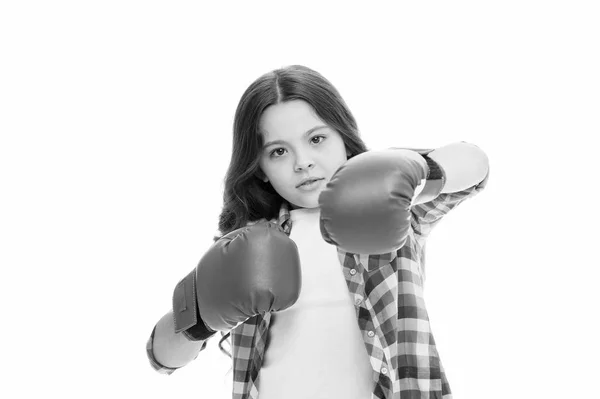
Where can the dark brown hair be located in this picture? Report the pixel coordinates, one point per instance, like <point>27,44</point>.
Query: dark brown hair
<point>246,196</point>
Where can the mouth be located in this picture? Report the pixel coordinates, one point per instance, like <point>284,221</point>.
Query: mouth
<point>308,182</point>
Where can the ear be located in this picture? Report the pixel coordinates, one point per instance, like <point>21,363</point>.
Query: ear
<point>260,175</point>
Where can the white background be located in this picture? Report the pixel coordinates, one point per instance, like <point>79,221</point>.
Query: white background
<point>116,124</point>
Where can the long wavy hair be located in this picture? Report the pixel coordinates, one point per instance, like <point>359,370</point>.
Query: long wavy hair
<point>246,196</point>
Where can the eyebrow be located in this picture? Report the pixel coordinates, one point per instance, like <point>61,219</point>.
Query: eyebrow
<point>309,131</point>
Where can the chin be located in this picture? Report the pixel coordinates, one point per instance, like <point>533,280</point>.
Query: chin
<point>304,205</point>
<point>309,200</point>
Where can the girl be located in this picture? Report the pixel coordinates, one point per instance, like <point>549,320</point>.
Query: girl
<point>359,328</point>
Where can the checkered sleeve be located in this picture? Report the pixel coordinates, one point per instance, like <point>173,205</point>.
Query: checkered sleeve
<point>425,216</point>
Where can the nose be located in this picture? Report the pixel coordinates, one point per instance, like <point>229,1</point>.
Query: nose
<point>304,160</point>
<point>306,165</point>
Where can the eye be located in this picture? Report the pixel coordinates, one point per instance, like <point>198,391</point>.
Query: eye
<point>274,155</point>
<point>275,150</point>
<point>315,137</point>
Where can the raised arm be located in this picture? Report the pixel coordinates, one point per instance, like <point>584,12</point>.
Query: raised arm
<point>465,165</point>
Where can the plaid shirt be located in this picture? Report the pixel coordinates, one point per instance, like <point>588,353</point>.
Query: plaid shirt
<point>388,296</point>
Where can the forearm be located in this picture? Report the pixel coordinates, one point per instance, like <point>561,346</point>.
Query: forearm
<point>173,349</point>
<point>464,164</point>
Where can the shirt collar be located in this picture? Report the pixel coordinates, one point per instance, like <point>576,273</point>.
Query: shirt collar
<point>284,219</point>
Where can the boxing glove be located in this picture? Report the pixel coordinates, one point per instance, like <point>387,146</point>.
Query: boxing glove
<point>250,271</point>
<point>365,206</point>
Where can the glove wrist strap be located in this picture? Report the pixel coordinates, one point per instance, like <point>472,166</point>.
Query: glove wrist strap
<point>185,310</point>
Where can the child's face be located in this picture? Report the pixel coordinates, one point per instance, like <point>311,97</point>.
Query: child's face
<point>298,155</point>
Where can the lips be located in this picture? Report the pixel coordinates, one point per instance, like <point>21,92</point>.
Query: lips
<point>308,181</point>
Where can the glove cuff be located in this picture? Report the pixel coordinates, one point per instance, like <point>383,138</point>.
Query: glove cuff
<point>434,183</point>
<point>198,332</point>
<point>435,180</point>
<point>186,315</point>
